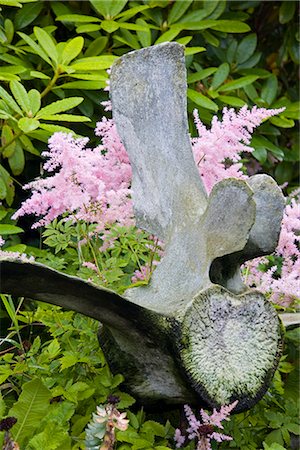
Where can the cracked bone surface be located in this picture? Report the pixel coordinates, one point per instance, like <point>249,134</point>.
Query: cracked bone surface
<point>195,333</point>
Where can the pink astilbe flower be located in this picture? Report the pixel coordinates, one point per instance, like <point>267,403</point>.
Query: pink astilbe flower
<point>2,241</point>
<point>204,431</point>
<point>217,151</point>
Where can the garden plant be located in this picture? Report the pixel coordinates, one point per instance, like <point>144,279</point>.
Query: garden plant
<point>241,59</point>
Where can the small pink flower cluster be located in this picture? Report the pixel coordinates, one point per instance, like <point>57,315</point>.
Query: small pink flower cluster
<point>204,431</point>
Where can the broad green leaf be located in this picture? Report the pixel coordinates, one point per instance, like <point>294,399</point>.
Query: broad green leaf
<point>220,75</point>
<point>46,42</point>
<point>94,63</point>
<point>17,160</point>
<point>96,46</point>
<point>282,122</point>
<point>7,136</point>
<point>72,49</point>
<point>110,25</point>
<point>193,50</point>
<point>28,146</point>
<point>246,48</point>
<point>3,190</point>
<point>286,11</point>
<point>20,94</point>
<point>239,83</point>
<point>27,124</point>
<point>8,76</point>
<point>133,26</point>
<point>261,73</point>
<point>41,75</point>
<point>198,25</point>
<point>231,26</point>
<point>86,85</point>
<point>201,100</point>
<point>54,128</point>
<point>128,39</point>
<point>27,14</point>
<point>10,188</point>
<point>144,36</point>
<point>251,62</point>
<point>95,76</point>
<point>78,18</point>
<point>261,154</point>
<point>53,437</point>
<point>13,69</point>
<point>201,75</point>
<point>184,40</point>
<point>59,106</point>
<point>37,49</point>
<point>21,248</point>
<point>66,118</point>
<point>6,229</point>
<point>232,101</point>
<point>34,100</point>
<point>211,38</point>
<point>11,3</point>
<point>131,12</point>
<point>88,28</point>
<point>10,101</point>
<point>31,406</point>
<point>269,89</point>
<point>108,9</point>
<point>261,141</point>
<point>177,10</point>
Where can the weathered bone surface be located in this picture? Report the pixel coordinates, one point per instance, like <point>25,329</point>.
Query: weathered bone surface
<point>195,333</point>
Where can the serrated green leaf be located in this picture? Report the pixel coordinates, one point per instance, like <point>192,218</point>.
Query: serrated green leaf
<point>59,106</point>
<point>220,75</point>
<point>239,83</point>
<point>37,49</point>
<point>231,26</point>
<point>17,160</point>
<point>201,100</point>
<point>34,101</point>
<point>78,18</point>
<point>20,94</point>
<point>7,136</point>
<point>32,404</point>
<point>66,118</point>
<point>46,42</point>
<point>246,48</point>
<point>6,229</point>
<point>152,427</point>
<point>10,101</point>
<point>72,49</point>
<point>177,10</point>
<point>108,9</point>
<point>27,124</point>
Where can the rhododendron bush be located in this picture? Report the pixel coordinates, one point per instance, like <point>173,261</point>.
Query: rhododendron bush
<point>94,186</point>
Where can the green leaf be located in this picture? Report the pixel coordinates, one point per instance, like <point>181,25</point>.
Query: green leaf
<point>269,89</point>
<point>231,26</point>
<point>193,50</point>
<point>8,76</point>
<point>53,129</point>
<point>37,49</point>
<point>128,39</point>
<point>143,36</point>
<point>66,118</point>
<point>41,75</point>
<point>261,141</point>
<point>68,360</point>
<point>95,76</point>
<point>246,48</point>
<point>46,42</point>
<point>293,428</point>
<point>232,101</point>
<point>31,406</point>
<point>59,106</point>
<point>201,100</point>
<point>239,83</point>
<point>177,10</point>
<point>86,85</point>
<point>94,63</point>
<point>34,101</point>
<point>96,46</point>
<point>3,190</point>
<point>27,124</point>
<point>152,427</point>
<point>7,136</point>
<point>9,229</point>
<point>108,9</point>
<point>282,122</point>
<point>261,154</point>
<point>199,25</point>
<point>17,160</point>
<point>131,12</point>
<point>78,18</point>
<point>10,101</point>
<point>220,76</point>
<point>110,25</point>
<point>89,28</point>
<point>201,75</point>
<point>286,11</point>
<point>27,145</point>
<point>10,189</point>
<point>20,94</point>
<point>27,14</point>
<point>72,49</point>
